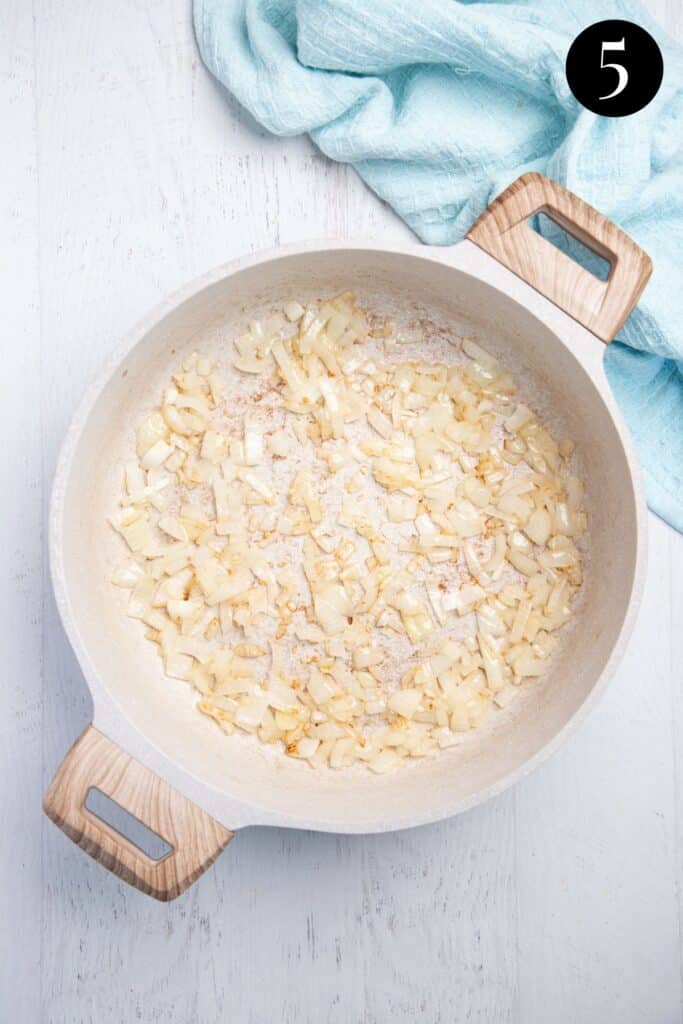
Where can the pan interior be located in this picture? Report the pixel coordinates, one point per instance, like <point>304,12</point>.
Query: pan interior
<point>238,767</point>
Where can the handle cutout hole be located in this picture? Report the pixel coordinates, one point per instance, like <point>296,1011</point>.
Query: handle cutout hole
<point>594,262</point>
<point>126,825</point>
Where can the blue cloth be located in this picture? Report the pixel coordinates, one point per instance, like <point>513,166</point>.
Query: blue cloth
<point>440,104</point>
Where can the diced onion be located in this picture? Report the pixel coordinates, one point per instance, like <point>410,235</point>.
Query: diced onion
<point>352,551</point>
<point>405,702</point>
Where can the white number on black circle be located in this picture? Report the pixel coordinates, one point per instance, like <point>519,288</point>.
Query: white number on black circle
<point>619,68</point>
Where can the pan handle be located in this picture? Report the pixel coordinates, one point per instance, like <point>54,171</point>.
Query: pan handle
<point>601,306</point>
<point>195,838</point>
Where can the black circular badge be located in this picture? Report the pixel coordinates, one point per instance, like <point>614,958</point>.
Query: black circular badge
<point>614,68</point>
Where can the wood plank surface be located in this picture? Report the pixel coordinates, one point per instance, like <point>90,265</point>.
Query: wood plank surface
<point>127,172</point>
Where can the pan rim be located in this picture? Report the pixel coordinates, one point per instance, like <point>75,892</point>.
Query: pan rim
<point>249,812</point>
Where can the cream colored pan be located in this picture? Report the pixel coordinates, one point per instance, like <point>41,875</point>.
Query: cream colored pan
<point>548,318</point>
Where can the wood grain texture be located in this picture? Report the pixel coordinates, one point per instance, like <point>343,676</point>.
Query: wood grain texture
<point>21,550</point>
<point>129,172</point>
<point>196,838</point>
<point>503,232</point>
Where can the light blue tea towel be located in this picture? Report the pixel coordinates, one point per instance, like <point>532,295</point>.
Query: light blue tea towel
<point>440,104</point>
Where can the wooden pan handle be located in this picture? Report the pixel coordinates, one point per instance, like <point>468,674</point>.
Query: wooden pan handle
<point>601,306</point>
<point>196,838</point>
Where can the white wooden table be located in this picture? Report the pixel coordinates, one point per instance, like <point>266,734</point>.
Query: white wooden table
<point>125,172</point>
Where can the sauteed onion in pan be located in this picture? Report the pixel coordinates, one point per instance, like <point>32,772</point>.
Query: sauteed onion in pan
<point>347,547</point>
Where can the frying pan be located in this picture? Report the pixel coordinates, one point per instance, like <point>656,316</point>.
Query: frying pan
<point>527,302</point>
